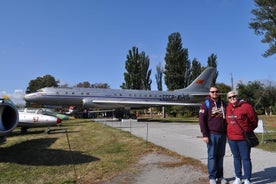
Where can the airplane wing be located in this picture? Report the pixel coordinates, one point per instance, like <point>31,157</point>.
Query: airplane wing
<point>109,102</point>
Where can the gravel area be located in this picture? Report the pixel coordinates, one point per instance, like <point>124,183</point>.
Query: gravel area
<point>160,168</point>
<point>185,139</point>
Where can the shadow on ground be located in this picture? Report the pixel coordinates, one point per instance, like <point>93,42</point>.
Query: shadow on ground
<point>36,152</point>
<point>266,176</point>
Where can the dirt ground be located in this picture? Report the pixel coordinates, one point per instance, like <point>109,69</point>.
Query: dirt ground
<point>160,168</point>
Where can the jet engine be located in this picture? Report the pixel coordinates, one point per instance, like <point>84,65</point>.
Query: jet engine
<point>8,117</point>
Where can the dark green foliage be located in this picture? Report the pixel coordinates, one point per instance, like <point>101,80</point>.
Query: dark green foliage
<point>250,92</point>
<point>196,69</point>
<point>262,97</point>
<point>132,80</point>
<point>85,84</point>
<point>41,82</point>
<point>145,73</point>
<point>223,90</point>
<point>159,76</point>
<point>177,63</point>
<point>138,73</point>
<point>212,62</point>
<point>264,23</point>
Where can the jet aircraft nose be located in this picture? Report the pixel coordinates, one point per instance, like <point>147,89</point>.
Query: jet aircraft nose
<point>59,121</point>
<point>29,97</point>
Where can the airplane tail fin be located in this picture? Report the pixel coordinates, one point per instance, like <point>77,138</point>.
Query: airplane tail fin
<point>203,82</point>
<point>8,100</point>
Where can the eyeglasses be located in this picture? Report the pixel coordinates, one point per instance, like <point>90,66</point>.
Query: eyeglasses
<point>234,96</point>
<point>213,91</point>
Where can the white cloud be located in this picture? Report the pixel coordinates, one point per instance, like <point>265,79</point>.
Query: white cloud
<point>16,97</point>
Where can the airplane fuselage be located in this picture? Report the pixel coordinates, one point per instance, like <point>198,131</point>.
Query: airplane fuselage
<point>88,97</point>
<point>28,120</point>
<point>192,95</point>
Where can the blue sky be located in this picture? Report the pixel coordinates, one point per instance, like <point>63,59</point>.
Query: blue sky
<point>88,40</point>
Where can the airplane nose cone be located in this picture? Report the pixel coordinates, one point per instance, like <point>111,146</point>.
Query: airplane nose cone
<point>29,97</point>
<point>26,97</point>
<point>58,120</point>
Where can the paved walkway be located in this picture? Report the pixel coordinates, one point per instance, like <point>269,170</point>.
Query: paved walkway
<point>185,139</point>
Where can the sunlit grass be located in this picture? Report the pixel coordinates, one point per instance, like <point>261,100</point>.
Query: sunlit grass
<point>96,153</point>
<point>269,140</point>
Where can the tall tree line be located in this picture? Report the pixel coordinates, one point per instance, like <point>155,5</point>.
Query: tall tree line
<point>137,75</point>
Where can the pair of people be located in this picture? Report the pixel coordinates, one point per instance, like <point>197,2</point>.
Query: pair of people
<point>217,120</point>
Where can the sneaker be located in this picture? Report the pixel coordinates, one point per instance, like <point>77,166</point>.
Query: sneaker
<point>237,181</point>
<point>213,181</point>
<point>246,181</point>
<point>222,181</point>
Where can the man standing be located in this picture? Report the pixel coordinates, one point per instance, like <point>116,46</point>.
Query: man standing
<point>213,128</point>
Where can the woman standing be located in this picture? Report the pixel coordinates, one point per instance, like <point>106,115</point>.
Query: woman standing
<point>240,113</point>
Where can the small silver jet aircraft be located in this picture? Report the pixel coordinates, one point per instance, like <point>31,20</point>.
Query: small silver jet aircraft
<point>36,119</point>
<point>120,98</point>
<point>11,117</point>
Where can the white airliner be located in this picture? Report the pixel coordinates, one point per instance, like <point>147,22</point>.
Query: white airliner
<point>120,98</point>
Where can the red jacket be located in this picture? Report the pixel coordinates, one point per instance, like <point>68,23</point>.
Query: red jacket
<point>245,115</point>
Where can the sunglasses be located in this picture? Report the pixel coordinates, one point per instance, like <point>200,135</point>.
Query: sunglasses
<point>234,96</point>
<point>213,91</point>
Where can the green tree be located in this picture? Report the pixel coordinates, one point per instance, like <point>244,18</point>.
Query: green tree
<point>138,73</point>
<point>196,69</point>
<point>177,63</point>
<point>264,23</point>
<point>223,90</point>
<point>41,82</point>
<point>100,85</point>
<point>132,77</point>
<point>159,76</point>
<point>269,99</point>
<point>261,96</point>
<point>85,84</point>
<point>212,62</point>
<point>251,92</point>
<point>145,73</point>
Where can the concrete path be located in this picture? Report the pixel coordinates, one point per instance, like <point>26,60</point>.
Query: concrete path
<point>185,139</point>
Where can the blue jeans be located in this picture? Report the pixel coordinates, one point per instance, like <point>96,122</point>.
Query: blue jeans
<point>216,152</point>
<point>241,153</point>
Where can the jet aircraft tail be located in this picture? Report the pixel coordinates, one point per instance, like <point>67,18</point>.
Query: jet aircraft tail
<point>8,100</point>
<point>203,82</point>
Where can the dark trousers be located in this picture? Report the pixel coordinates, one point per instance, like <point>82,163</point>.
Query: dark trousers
<point>216,152</point>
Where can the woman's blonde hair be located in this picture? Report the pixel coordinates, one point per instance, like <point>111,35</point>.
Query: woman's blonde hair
<point>231,93</point>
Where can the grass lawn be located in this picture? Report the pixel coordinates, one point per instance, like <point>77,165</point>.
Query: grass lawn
<point>269,143</point>
<point>79,151</point>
